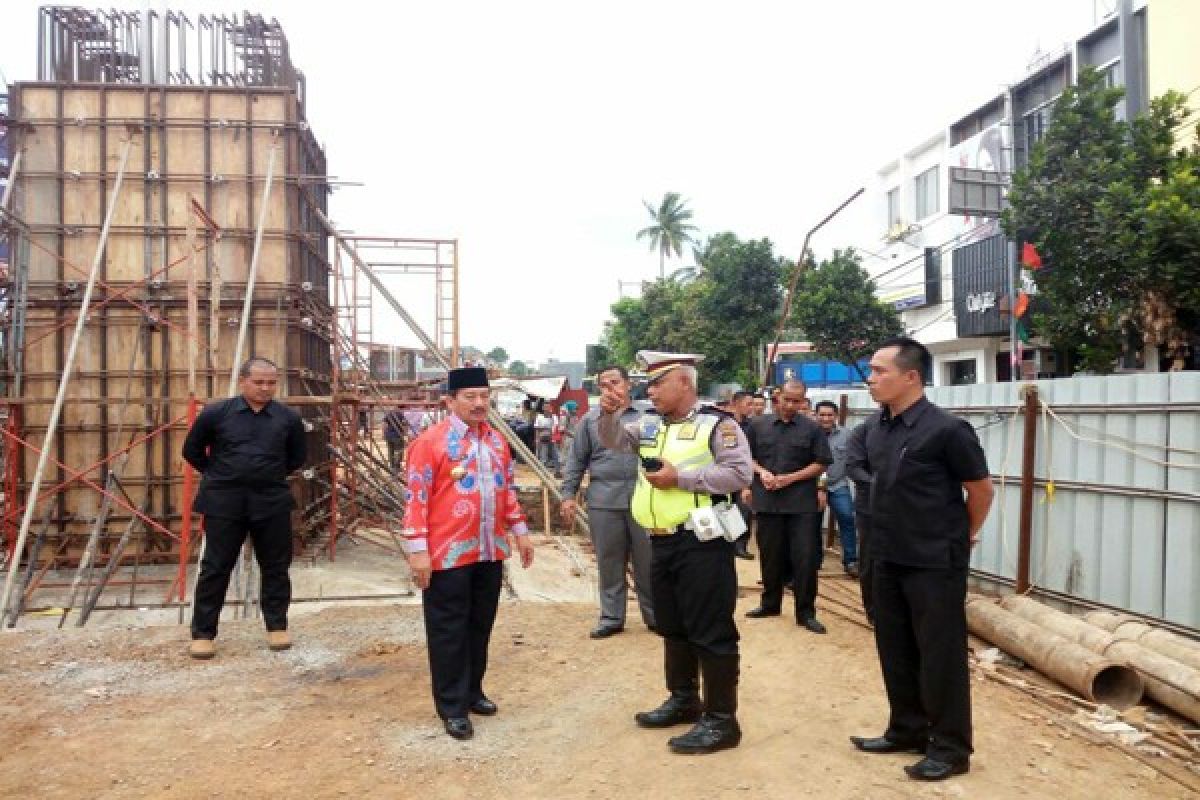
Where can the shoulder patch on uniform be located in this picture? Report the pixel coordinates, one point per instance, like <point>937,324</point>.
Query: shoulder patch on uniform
<point>728,430</point>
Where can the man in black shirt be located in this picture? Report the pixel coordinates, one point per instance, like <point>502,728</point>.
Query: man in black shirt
<point>245,447</point>
<point>790,452</point>
<point>922,459</point>
<point>857,471</point>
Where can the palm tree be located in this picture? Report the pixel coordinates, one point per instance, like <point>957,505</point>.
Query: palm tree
<point>671,229</point>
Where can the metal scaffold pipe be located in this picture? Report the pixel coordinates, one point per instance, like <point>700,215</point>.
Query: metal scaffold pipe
<point>494,417</point>
<point>60,398</point>
<point>1097,678</point>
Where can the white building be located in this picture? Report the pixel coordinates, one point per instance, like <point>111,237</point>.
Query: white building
<point>950,274</point>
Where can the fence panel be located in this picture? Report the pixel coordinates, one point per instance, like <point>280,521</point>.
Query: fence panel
<point>1121,525</point>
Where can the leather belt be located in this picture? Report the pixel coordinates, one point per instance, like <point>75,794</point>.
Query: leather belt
<point>668,531</point>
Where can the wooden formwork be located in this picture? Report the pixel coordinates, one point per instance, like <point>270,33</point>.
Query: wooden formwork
<point>191,199</point>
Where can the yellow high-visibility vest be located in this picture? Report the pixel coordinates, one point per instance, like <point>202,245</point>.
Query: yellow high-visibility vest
<point>686,445</point>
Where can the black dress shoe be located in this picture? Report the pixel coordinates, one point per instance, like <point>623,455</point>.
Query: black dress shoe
<point>459,727</point>
<point>484,707</point>
<point>882,744</point>
<point>605,631</point>
<point>930,769</point>
<point>760,612</point>
<point>811,624</point>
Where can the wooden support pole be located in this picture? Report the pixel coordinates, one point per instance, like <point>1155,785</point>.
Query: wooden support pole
<point>68,368</point>
<point>1025,518</point>
<point>247,307</point>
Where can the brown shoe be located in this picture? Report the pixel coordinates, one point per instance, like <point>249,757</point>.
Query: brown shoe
<point>279,640</point>
<point>202,649</point>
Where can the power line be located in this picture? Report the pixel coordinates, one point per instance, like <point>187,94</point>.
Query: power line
<point>919,260</point>
<point>947,313</point>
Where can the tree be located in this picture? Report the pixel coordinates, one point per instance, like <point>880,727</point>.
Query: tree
<point>671,229</point>
<point>498,356</point>
<point>838,311</point>
<point>724,312</point>
<point>518,369</point>
<point>1114,213</point>
<point>737,304</point>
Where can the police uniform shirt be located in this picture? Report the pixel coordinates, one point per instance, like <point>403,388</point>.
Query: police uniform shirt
<point>783,447</point>
<point>731,467</point>
<point>919,459</point>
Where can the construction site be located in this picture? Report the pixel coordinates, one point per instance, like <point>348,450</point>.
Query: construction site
<point>166,215</point>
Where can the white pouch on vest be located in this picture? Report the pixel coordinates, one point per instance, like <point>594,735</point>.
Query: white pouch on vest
<point>705,525</point>
<point>733,524</point>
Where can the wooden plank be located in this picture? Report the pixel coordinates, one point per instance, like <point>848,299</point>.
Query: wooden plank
<point>177,155</point>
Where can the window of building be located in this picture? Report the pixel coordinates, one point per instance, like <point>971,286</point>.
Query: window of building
<point>1037,124</point>
<point>893,208</point>
<point>1110,73</point>
<point>960,373</point>
<point>926,185</point>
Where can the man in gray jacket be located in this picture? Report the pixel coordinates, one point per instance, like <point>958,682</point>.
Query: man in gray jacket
<point>616,536</point>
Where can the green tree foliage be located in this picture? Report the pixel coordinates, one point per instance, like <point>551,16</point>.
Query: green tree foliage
<point>498,356</point>
<point>518,369</point>
<point>671,229</point>
<point>724,310</point>
<point>1114,211</point>
<point>837,310</point>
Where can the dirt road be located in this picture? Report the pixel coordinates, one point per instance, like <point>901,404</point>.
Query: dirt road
<point>122,712</point>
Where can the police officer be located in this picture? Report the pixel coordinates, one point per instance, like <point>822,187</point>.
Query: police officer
<point>692,456</point>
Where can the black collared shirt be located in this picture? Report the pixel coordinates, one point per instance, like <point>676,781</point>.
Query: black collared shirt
<point>245,457</point>
<point>920,460</point>
<point>783,447</point>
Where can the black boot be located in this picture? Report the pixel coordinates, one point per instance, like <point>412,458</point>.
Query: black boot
<point>681,667</point>
<point>717,728</point>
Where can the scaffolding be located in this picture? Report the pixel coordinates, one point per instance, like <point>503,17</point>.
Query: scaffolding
<point>189,179</point>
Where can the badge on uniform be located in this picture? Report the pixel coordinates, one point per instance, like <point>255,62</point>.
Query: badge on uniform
<point>649,429</point>
<point>728,435</point>
<point>687,432</point>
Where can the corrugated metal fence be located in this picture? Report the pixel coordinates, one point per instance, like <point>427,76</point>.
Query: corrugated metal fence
<point>1116,508</point>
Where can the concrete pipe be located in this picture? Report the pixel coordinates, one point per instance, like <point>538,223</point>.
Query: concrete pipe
<point>1171,684</point>
<point>1097,678</point>
<point>1185,651</point>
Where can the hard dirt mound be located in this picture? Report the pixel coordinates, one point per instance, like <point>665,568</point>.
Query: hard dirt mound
<point>122,712</point>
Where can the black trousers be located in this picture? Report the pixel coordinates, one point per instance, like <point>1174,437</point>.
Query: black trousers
<point>460,609</point>
<point>921,635</point>
<point>866,567</point>
<point>223,539</point>
<point>796,536</point>
<point>695,591</point>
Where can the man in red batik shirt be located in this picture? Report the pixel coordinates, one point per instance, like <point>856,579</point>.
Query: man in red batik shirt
<point>460,522</point>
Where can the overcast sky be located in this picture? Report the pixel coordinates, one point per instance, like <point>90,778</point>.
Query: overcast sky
<point>532,132</point>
